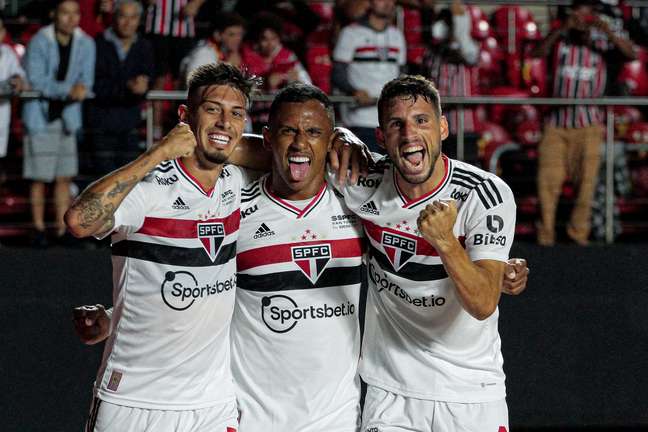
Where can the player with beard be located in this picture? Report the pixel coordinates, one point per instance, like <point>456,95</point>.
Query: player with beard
<point>298,240</point>
<point>174,218</point>
<point>439,233</point>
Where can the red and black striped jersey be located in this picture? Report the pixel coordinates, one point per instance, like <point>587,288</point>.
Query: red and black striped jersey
<point>174,277</point>
<point>419,341</point>
<point>580,72</point>
<point>295,331</point>
<point>167,18</point>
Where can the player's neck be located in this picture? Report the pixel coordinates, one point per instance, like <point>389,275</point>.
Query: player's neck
<point>280,188</point>
<point>206,173</point>
<point>415,191</point>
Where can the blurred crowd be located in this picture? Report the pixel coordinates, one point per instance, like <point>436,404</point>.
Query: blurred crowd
<point>94,61</point>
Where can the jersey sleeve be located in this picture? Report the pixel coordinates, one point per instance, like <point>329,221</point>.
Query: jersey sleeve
<point>130,214</point>
<point>490,223</point>
<point>345,47</point>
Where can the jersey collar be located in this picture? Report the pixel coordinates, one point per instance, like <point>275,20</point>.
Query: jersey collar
<point>287,206</point>
<point>192,180</point>
<point>408,203</point>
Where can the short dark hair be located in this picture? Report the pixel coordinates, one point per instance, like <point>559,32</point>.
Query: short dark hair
<point>297,92</point>
<point>409,86</point>
<point>265,21</point>
<point>578,3</point>
<point>221,74</point>
<point>56,3</point>
<point>225,20</point>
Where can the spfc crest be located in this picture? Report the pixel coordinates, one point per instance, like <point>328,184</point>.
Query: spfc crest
<point>211,235</point>
<point>399,249</point>
<point>312,259</point>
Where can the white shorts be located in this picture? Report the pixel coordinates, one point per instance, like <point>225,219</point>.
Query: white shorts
<point>108,417</point>
<point>389,412</point>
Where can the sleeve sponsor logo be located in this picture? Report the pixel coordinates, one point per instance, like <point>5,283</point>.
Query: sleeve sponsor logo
<point>494,223</point>
<point>312,259</point>
<point>166,181</point>
<point>248,211</point>
<point>211,236</point>
<point>180,290</point>
<point>281,313</point>
<point>399,249</point>
<point>458,195</point>
<point>368,182</point>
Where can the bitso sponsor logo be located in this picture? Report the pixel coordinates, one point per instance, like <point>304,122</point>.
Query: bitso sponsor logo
<point>166,181</point>
<point>263,231</point>
<point>494,223</point>
<point>179,204</point>
<point>399,249</point>
<point>180,290</point>
<point>383,284</point>
<point>370,207</point>
<point>211,236</point>
<point>281,313</point>
<point>312,259</point>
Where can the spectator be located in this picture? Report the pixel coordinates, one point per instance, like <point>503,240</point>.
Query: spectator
<point>572,136</point>
<point>123,74</point>
<point>367,55</point>
<point>96,16</point>
<point>12,81</point>
<point>224,45</point>
<point>269,59</point>
<point>451,63</point>
<point>59,63</point>
<point>171,29</point>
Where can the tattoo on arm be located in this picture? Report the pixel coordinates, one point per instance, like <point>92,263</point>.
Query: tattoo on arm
<point>94,209</point>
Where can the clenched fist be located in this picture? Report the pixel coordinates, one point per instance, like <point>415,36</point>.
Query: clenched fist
<point>179,142</point>
<point>436,222</point>
<point>515,276</point>
<point>91,323</point>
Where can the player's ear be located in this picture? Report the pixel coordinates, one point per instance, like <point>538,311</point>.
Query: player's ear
<point>266,138</point>
<point>443,125</point>
<point>380,137</point>
<point>183,113</point>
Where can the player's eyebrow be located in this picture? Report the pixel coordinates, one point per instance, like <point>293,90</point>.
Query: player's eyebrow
<point>220,103</point>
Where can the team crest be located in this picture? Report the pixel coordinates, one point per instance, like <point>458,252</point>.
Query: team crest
<point>399,249</point>
<point>312,259</point>
<point>211,235</point>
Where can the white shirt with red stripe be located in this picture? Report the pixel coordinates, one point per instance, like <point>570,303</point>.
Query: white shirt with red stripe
<point>167,18</point>
<point>295,332</point>
<point>419,341</point>
<point>174,277</point>
<point>374,58</point>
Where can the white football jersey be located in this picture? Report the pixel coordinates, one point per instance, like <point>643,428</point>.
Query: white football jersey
<point>418,340</point>
<point>174,271</point>
<point>295,331</point>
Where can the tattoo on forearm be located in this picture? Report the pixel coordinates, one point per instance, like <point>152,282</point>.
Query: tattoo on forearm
<point>94,209</point>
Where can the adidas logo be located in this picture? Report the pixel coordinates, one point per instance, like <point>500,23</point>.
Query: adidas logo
<point>370,207</point>
<point>179,204</point>
<point>263,231</point>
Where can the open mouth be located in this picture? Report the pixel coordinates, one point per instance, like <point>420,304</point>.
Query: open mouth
<point>413,154</point>
<point>219,140</point>
<point>299,167</point>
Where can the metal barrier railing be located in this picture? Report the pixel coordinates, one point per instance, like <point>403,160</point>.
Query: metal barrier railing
<point>460,103</point>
